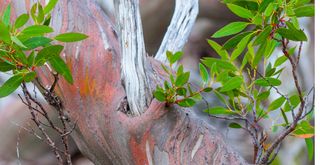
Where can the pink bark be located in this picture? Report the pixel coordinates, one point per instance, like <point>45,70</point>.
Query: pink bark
<point>96,100</point>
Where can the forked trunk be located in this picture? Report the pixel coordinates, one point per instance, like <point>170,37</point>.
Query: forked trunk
<point>111,98</point>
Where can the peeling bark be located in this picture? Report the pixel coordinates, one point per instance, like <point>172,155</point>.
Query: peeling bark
<point>133,55</point>
<point>179,30</point>
<point>106,135</point>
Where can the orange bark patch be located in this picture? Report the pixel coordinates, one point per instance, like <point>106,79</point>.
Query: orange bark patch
<point>87,85</point>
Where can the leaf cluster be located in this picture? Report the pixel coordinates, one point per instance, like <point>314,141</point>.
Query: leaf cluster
<point>179,90</point>
<point>244,72</point>
<point>24,47</point>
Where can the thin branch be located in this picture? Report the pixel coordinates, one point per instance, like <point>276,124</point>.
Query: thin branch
<point>42,130</point>
<point>299,53</point>
<point>293,125</point>
<point>227,118</point>
<point>179,30</point>
<point>280,93</point>
<point>275,154</point>
<point>56,79</point>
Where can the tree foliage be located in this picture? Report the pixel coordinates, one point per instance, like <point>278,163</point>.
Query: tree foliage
<point>246,76</point>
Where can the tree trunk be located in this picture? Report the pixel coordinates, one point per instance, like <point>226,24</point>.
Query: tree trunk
<point>118,121</point>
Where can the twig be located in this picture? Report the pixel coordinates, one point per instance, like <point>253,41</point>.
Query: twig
<point>299,53</point>
<point>56,79</point>
<point>36,121</point>
<point>17,147</point>
<point>278,91</point>
<point>275,154</point>
<point>227,118</point>
<point>293,125</point>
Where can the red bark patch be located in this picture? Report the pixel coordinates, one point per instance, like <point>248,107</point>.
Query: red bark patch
<point>138,148</point>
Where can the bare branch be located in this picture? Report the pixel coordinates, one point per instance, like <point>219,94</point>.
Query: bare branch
<point>36,121</point>
<point>178,32</point>
<point>299,53</point>
<point>275,154</point>
<point>227,118</point>
<point>133,52</point>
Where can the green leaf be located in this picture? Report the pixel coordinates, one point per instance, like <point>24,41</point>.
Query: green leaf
<point>235,125</point>
<point>33,12</point>
<point>159,95</point>
<point>222,64</point>
<point>294,100</point>
<point>233,83</point>
<point>10,85</point>
<point>37,30</point>
<point>70,37</point>
<point>35,42</point>
<point>37,13</point>
<point>270,47</point>
<point>280,61</point>
<point>175,57</point>
<point>232,28</point>
<point>204,73</point>
<point>263,36</point>
<point>219,111</point>
<point>30,76</point>
<point>240,47</point>
<point>232,42</point>
<point>31,59</point>
<point>240,11</point>
<point>223,77</point>
<point>169,55</point>
<point>40,17</point>
<point>257,58</point>
<point>197,97</point>
<point>276,103</point>
<point>180,70</point>
<point>220,97</point>
<point>6,15</point>
<point>284,116</point>
<point>268,81</point>
<point>257,20</point>
<point>301,2</point>
<point>61,67</point>
<point>207,89</point>
<point>182,79</point>
<point>269,10</point>
<point>4,33</point>
<point>270,72</point>
<point>167,85</point>
<point>222,53</point>
<point>190,89</point>
<point>46,53</point>
<point>245,61</point>
<point>264,95</point>
<point>5,66</point>
<point>17,41</point>
<point>304,11</point>
<point>48,8</point>
<point>21,20</point>
<point>21,57</point>
<point>186,102</point>
<point>294,35</point>
<point>264,4</point>
<point>310,148</point>
<point>295,22</point>
<point>47,20</point>
<point>304,130</point>
<point>181,91</point>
